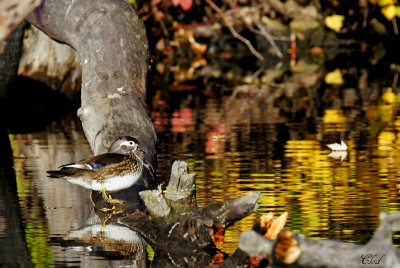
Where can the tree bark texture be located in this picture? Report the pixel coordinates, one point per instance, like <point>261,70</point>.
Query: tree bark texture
<point>12,13</point>
<point>57,65</point>
<point>111,41</point>
<point>177,224</point>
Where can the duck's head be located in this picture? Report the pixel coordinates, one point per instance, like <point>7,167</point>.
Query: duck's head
<point>124,145</point>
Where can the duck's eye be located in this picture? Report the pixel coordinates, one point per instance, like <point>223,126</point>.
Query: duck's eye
<point>131,143</point>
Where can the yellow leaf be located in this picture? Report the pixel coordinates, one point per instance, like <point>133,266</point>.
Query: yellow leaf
<point>334,22</point>
<point>398,11</point>
<point>389,96</point>
<point>389,11</point>
<point>334,78</point>
<point>386,2</point>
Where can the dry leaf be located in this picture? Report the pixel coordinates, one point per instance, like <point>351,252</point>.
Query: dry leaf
<point>338,147</point>
<point>389,12</point>
<point>334,22</point>
<point>389,96</point>
<point>276,226</point>
<point>334,78</point>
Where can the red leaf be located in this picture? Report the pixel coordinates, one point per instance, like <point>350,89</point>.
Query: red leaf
<point>175,3</point>
<point>186,4</point>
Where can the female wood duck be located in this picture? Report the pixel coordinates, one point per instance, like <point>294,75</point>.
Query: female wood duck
<point>116,170</point>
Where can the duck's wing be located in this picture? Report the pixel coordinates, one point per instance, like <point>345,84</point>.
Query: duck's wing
<point>96,162</point>
<point>71,173</point>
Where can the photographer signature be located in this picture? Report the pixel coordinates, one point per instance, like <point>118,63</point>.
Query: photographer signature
<point>371,259</point>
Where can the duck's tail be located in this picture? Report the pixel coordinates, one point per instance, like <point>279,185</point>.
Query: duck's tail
<point>68,172</point>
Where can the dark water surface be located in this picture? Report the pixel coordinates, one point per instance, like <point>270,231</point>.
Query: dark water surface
<point>234,145</point>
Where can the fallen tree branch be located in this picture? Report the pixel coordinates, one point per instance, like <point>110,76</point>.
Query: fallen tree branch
<point>13,12</point>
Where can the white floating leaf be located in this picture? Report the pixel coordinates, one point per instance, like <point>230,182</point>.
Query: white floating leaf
<point>338,147</point>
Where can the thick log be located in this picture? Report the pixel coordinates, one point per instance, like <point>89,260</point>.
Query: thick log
<point>186,235</point>
<point>181,187</point>
<point>112,44</point>
<point>156,204</point>
<point>56,65</point>
<point>255,245</point>
<point>294,250</point>
<point>12,13</point>
<point>180,197</point>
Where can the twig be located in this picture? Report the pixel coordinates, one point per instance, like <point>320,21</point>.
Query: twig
<point>365,17</point>
<point>264,32</point>
<point>394,83</point>
<point>266,85</point>
<point>396,30</point>
<point>233,31</point>
<point>254,75</point>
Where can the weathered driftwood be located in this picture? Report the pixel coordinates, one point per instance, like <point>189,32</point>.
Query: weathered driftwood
<point>12,13</point>
<point>54,64</point>
<point>112,44</point>
<point>177,223</point>
<point>180,199</point>
<point>293,249</point>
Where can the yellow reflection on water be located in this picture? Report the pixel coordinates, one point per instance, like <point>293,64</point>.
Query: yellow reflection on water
<point>335,120</point>
<point>291,167</point>
<point>326,198</point>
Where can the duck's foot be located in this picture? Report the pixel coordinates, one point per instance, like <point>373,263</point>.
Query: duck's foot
<point>108,198</point>
<point>111,211</point>
<point>115,201</point>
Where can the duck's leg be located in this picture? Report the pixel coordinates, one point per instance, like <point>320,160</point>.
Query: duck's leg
<point>108,198</point>
<point>149,168</point>
<point>104,223</point>
<point>104,194</point>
